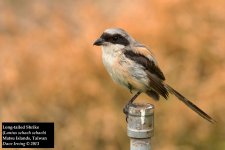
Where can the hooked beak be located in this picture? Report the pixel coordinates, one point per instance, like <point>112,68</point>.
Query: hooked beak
<point>99,42</point>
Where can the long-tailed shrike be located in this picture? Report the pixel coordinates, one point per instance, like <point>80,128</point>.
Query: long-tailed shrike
<point>133,65</point>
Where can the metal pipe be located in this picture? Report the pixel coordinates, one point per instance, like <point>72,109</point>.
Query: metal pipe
<point>140,127</point>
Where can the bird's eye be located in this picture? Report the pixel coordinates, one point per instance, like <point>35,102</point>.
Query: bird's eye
<point>115,38</point>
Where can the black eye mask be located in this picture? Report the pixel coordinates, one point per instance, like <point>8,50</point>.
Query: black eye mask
<point>115,39</point>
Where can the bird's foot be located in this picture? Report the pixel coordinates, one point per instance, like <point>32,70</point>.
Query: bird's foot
<point>126,109</point>
<point>130,103</point>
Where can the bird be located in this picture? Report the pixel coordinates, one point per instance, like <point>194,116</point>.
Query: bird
<point>133,65</point>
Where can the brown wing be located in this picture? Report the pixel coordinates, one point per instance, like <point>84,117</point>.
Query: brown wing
<point>144,57</point>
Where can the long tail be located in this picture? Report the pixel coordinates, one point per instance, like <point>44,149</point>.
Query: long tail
<point>189,104</point>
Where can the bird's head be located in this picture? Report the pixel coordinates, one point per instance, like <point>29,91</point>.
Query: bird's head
<point>114,36</point>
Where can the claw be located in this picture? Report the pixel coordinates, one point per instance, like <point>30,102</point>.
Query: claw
<point>125,110</point>
<point>126,107</point>
<point>127,118</point>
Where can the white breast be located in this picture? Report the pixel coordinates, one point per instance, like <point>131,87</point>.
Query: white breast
<point>108,57</point>
<point>122,70</point>
<point>110,54</point>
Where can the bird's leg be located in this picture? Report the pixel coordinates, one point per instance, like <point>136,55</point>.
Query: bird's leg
<point>134,97</point>
<point>126,107</point>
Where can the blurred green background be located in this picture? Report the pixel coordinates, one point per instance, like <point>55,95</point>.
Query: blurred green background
<point>50,71</point>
